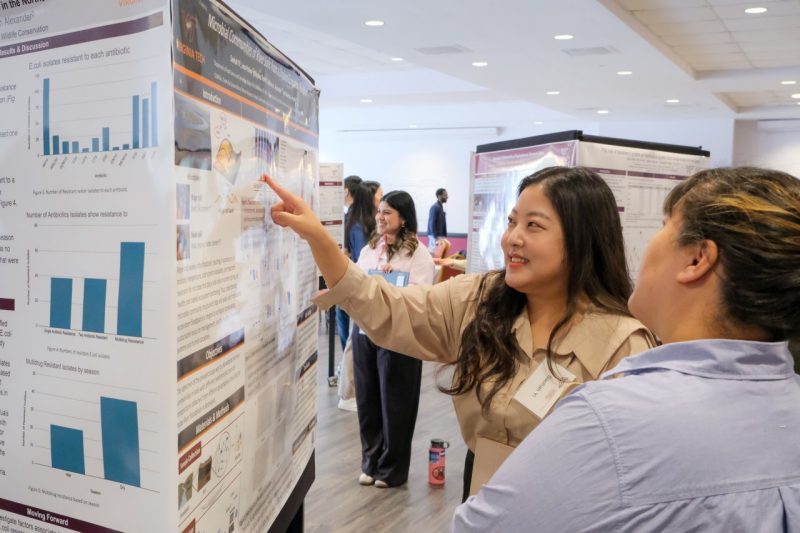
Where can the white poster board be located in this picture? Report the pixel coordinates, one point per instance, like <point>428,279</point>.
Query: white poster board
<point>639,174</point>
<point>158,345</point>
<point>331,199</point>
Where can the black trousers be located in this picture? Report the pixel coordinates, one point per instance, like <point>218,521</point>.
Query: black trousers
<point>387,395</point>
<point>469,460</point>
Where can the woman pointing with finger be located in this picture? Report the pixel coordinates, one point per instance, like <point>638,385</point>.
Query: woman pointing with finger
<point>555,315</point>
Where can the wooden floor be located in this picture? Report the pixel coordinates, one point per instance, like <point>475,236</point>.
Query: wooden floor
<point>337,503</point>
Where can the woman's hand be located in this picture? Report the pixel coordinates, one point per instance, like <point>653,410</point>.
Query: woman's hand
<point>386,267</point>
<point>443,261</point>
<point>293,212</point>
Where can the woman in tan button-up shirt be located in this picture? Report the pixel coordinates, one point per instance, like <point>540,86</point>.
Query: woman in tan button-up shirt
<point>561,301</point>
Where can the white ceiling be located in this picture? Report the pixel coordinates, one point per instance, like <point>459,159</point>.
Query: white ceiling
<point>717,60</point>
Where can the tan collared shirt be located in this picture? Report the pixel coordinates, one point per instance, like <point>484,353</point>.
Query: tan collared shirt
<point>427,322</point>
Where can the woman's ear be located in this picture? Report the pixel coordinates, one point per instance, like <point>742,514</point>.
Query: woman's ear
<point>701,259</point>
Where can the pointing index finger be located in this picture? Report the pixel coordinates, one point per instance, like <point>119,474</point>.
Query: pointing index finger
<point>282,193</point>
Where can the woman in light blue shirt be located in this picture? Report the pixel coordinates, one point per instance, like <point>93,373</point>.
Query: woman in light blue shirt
<point>702,433</point>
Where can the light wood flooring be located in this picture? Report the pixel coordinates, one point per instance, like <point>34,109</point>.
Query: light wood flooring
<point>337,503</point>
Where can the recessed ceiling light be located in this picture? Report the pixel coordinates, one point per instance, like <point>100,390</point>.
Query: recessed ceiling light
<point>397,59</point>
<point>538,122</point>
<point>602,111</point>
<point>373,23</point>
<point>553,93</point>
<point>563,37</point>
<point>365,101</point>
<point>789,82</point>
<point>624,73</point>
<point>673,101</point>
<point>755,10</point>
<point>412,126</point>
<point>480,64</point>
<point>796,95</point>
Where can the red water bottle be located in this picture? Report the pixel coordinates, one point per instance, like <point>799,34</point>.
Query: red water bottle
<point>436,456</point>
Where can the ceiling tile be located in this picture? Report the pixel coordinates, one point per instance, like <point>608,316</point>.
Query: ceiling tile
<point>774,9</point>
<point>764,23</point>
<point>641,5</point>
<point>696,39</point>
<point>770,46</point>
<point>675,16</point>
<point>787,35</point>
<point>688,27</point>
<point>705,49</point>
<point>764,3</point>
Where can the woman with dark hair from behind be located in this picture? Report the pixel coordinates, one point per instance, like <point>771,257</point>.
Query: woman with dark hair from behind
<point>556,315</point>
<point>700,434</point>
<point>388,382</point>
<point>360,221</point>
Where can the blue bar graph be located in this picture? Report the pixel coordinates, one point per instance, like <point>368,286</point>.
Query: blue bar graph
<point>66,449</point>
<point>145,123</point>
<point>154,113</point>
<point>144,126</point>
<point>60,303</point>
<point>119,425</point>
<point>135,121</point>
<point>46,115</point>
<point>131,285</point>
<point>94,305</point>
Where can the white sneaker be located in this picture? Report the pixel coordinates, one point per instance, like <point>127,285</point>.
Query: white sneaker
<point>366,479</point>
<point>348,405</point>
<point>379,483</point>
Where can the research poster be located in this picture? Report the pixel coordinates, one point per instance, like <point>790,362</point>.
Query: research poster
<point>157,338</point>
<point>331,199</point>
<point>640,180</point>
<point>493,190</point>
<point>639,177</point>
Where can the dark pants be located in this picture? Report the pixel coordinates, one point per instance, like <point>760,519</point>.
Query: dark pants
<point>387,395</point>
<point>342,325</point>
<point>469,460</point>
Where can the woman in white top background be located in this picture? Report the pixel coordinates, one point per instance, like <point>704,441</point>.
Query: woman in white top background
<point>387,382</point>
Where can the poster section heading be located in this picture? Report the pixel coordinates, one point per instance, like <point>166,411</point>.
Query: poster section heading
<point>223,62</point>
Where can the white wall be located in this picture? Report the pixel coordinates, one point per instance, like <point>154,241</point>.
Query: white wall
<point>422,161</point>
<point>716,136</point>
<point>418,162</point>
<point>768,144</point>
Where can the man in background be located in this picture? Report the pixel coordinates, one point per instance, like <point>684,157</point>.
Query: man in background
<point>437,219</point>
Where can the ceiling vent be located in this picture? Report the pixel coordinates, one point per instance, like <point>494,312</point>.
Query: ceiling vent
<point>592,51</point>
<point>444,50</point>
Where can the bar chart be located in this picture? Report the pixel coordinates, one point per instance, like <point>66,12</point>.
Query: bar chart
<point>135,118</point>
<point>96,299</point>
<point>119,427</point>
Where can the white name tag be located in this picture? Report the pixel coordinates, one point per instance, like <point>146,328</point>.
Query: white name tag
<point>540,392</point>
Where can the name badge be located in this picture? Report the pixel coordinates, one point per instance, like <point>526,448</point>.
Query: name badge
<point>540,392</point>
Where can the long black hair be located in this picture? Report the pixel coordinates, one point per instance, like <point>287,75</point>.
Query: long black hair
<point>361,211</point>
<point>401,202</point>
<point>594,257</point>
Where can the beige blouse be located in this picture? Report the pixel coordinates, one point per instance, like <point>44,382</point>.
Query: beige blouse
<point>427,322</point>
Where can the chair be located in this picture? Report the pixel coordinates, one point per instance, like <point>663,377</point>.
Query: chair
<point>441,248</point>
